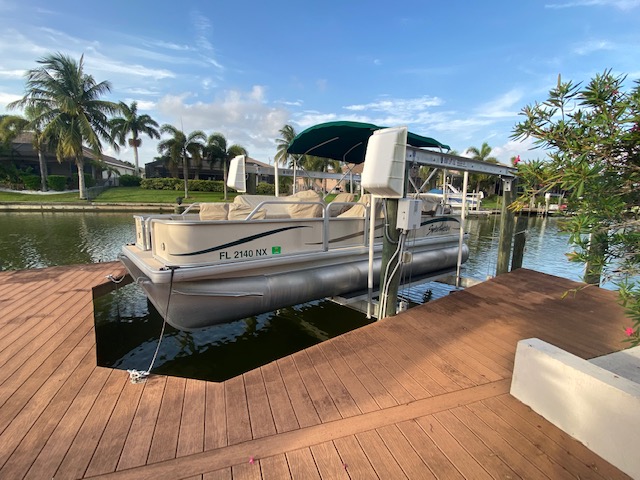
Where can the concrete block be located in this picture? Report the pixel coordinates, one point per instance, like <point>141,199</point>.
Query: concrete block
<point>598,407</point>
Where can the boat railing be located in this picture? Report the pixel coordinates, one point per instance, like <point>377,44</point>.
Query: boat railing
<point>328,212</point>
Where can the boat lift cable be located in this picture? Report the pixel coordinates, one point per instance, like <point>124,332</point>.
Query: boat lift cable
<point>136,376</point>
<point>386,224</point>
<point>386,280</point>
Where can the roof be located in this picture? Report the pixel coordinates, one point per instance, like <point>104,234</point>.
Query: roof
<point>347,141</point>
<point>23,144</point>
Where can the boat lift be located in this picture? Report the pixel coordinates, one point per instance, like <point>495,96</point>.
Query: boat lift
<point>391,153</point>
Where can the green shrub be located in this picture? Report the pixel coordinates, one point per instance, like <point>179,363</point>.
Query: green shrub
<point>161,183</point>
<point>57,182</point>
<point>178,184</point>
<point>206,185</point>
<point>265,189</point>
<point>89,181</point>
<point>129,181</point>
<point>31,182</point>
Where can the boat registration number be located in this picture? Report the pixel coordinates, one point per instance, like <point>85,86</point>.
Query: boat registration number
<point>252,253</point>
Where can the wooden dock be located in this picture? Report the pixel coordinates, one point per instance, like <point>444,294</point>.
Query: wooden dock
<point>422,395</point>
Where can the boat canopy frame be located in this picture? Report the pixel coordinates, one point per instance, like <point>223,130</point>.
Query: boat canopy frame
<point>347,142</point>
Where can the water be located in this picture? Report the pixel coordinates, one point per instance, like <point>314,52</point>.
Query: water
<point>128,326</point>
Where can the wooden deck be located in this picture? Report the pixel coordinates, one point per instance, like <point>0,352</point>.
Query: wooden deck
<point>422,395</point>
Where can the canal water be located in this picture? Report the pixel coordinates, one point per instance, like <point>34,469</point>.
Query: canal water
<point>128,326</point>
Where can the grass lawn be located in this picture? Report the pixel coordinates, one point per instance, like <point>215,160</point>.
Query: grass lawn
<point>63,197</point>
<point>139,195</point>
<point>119,195</point>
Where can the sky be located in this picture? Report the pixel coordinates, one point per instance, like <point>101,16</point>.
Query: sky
<point>458,71</point>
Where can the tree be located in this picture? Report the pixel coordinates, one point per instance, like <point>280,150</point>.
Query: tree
<point>219,154</point>
<point>320,164</point>
<point>484,155</point>
<point>68,106</point>
<point>132,124</point>
<point>592,137</point>
<point>283,157</point>
<point>180,148</point>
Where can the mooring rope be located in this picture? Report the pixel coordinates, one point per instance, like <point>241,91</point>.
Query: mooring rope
<point>137,376</point>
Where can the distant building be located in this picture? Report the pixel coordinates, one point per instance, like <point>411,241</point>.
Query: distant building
<point>24,157</point>
<point>158,169</point>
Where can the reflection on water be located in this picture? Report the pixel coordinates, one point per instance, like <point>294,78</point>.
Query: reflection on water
<point>545,250</point>
<point>44,239</point>
<point>127,329</point>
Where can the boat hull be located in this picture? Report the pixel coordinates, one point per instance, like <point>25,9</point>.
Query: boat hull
<point>190,305</point>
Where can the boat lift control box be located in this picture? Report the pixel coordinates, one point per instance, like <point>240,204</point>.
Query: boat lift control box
<point>409,214</point>
<point>383,172</point>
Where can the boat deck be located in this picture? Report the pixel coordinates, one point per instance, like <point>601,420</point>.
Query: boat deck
<point>422,395</point>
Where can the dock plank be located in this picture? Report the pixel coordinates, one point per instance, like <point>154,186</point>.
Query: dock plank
<point>261,419</point>
<point>284,417</point>
<point>275,467</point>
<point>302,465</point>
<point>303,407</point>
<point>322,401</point>
<point>138,442</point>
<point>328,461</point>
<point>238,422</point>
<point>84,444</point>
<point>164,444</point>
<point>191,434</point>
<point>215,425</point>
<point>110,446</point>
<point>423,394</point>
<point>31,441</point>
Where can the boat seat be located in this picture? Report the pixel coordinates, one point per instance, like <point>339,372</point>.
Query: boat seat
<point>335,209</point>
<point>360,208</point>
<point>214,211</point>
<point>284,207</point>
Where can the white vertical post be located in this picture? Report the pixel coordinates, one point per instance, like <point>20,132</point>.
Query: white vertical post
<point>463,217</point>
<point>277,178</point>
<point>372,233</point>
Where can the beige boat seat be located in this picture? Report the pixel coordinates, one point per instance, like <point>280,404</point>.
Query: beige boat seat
<point>360,209</point>
<point>335,209</point>
<point>280,207</point>
<point>214,211</point>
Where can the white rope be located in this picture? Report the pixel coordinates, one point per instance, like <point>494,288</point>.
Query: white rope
<point>114,279</point>
<point>137,376</point>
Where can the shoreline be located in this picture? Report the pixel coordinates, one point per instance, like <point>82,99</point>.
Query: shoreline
<point>88,207</point>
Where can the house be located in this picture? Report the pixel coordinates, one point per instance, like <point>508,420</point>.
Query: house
<point>23,157</point>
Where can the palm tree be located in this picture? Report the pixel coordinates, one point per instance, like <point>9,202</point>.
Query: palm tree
<point>41,143</point>
<point>133,124</point>
<point>320,164</point>
<point>218,153</point>
<point>181,147</point>
<point>68,107</point>
<point>282,156</point>
<point>484,155</point>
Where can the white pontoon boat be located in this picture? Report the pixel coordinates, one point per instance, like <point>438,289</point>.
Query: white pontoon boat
<point>257,254</point>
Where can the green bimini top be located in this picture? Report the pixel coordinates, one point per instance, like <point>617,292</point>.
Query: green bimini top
<point>346,141</point>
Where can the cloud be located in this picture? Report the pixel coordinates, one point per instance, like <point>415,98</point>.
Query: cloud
<point>524,148</point>
<point>12,73</point>
<point>397,105</point>
<point>244,117</point>
<point>309,118</point>
<point>593,46</point>
<point>619,4</point>
<point>502,106</point>
<point>6,98</point>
